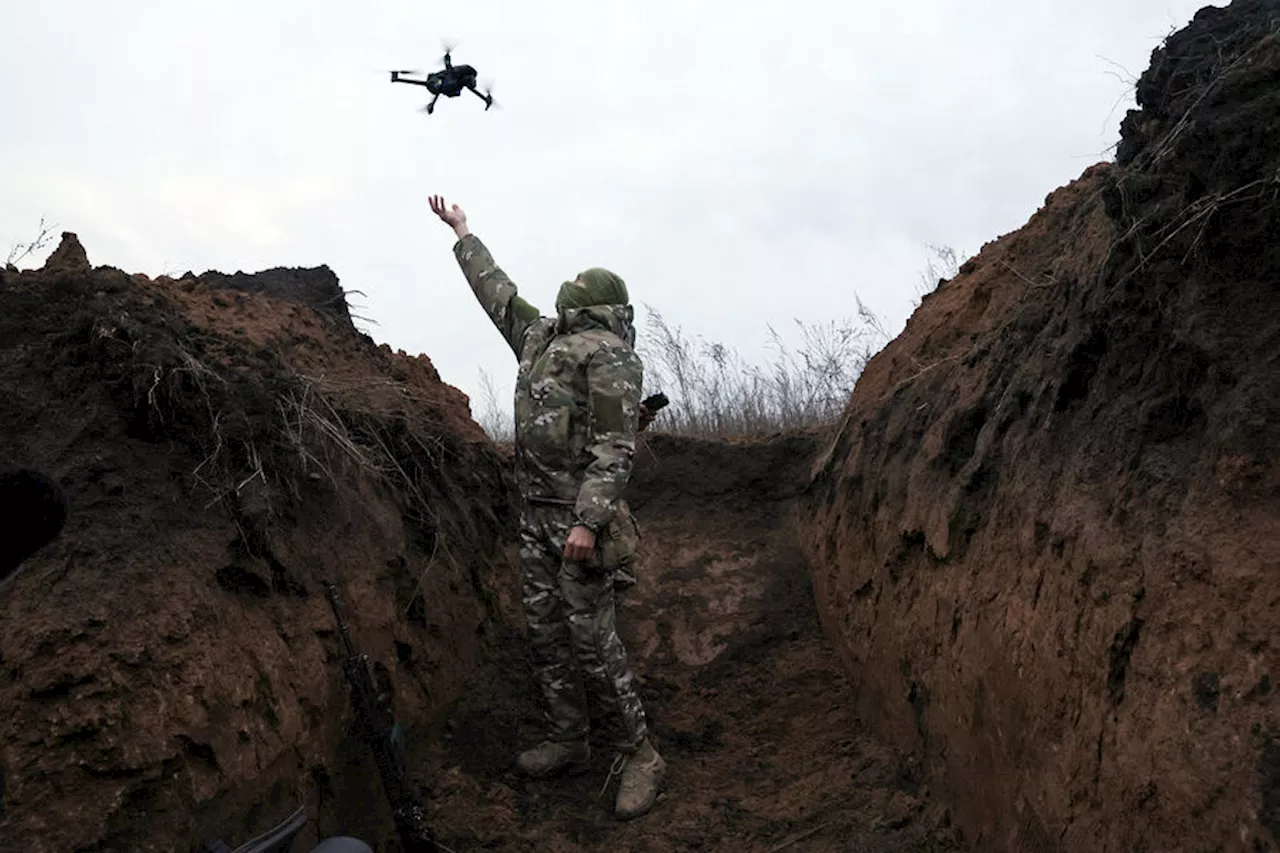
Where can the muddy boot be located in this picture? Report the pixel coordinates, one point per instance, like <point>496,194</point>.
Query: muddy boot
<point>550,757</point>
<point>641,780</point>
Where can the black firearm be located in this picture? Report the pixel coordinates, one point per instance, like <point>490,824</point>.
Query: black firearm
<point>379,731</point>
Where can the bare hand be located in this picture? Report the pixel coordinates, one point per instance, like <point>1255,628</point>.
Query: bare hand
<point>580,545</point>
<point>646,416</point>
<point>452,216</point>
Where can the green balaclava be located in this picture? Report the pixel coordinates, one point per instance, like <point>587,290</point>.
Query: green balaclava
<point>598,287</point>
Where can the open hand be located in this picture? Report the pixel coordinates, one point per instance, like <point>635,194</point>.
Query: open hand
<point>580,545</point>
<point>452,216</point>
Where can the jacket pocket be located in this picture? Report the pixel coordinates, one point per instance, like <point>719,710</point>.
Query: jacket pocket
<point>621,543</point>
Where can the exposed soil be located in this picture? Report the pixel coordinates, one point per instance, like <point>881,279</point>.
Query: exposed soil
<point>1023,599</point>
<point>747,700</point>
<point>1047,532</point>
<point>168,665</point>
<point>229,445</point>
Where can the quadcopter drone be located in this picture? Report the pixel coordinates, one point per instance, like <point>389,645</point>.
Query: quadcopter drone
<point>450,81</point>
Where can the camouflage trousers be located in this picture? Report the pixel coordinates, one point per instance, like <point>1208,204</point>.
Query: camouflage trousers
<point>577,654</point>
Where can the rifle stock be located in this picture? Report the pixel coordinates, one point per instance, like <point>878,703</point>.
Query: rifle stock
<point>376,729</point>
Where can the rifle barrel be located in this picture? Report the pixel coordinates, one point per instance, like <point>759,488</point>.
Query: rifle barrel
<point>347,646</point>
<point>375,724</point>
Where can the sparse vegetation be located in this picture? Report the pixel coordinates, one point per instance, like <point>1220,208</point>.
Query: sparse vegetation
<point>495,419</point>
<point>20,251</point>
<point>714,391</point>
<point>943,264</point>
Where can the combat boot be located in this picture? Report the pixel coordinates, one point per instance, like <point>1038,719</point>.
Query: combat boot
<point>551,757</point>
<point>641,780</point>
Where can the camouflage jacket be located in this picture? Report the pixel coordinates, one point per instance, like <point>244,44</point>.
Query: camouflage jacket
<point>577,394</point>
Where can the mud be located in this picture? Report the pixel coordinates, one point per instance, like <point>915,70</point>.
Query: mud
<point>168,666</point>
<point>1045,536</point>
<point>230,444</point>
<point>1023,597</point>
<point>746,698</point>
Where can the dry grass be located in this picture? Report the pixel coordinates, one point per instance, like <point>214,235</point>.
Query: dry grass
<point>20,251</point>
<point>264,441</point>
<point>494,418</point>
<point>808,382</point>
<point>714,391</point>
<point>942,265</point>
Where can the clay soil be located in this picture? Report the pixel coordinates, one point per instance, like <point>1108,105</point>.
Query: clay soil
<point>748,701</point>
<point>1023,598</point>
<point>1046,536</point>
<point>169,670</point>
<point>169,667</point>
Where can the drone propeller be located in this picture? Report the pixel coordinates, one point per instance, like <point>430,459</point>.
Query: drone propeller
<point>486,87</point>
<point>409,71</point>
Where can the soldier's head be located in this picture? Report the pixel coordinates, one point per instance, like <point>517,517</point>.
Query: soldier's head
<point>596,286</point>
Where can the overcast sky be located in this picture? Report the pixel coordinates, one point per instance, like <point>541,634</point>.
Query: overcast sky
<point>738,163</point>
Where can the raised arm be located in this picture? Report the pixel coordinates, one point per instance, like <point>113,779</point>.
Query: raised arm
<point>495,291</point>
<point>615,376</point>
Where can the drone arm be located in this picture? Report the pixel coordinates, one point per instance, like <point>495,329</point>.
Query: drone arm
<point>488,99</point>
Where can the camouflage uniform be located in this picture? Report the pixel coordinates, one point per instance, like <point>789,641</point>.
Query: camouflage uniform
<point>576,414</point>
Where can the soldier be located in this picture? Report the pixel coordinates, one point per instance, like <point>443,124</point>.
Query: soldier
<point>577,410</point>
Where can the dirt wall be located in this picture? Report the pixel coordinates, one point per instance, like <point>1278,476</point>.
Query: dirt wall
<point>744,696</point>
<point>169,668</point>
<point>1046,537</point>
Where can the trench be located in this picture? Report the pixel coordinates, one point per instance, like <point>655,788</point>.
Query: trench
<point>745,694</point>
<point>171,667</point>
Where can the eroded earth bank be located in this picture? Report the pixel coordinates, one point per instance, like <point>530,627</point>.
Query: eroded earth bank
<point>1022,598</point>
<point>169,668</point>
<point>746,696</point>
<point>1046,538</point>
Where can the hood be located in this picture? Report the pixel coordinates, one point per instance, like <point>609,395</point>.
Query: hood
<point>618,319</point>
<point>595,286</point>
